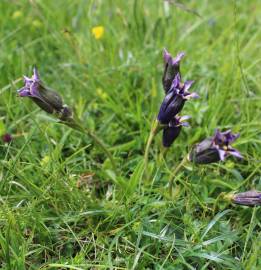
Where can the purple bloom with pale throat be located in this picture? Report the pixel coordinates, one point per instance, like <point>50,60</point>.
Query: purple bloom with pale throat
<point>172,131</point>
<point>215,148</point>
<point>171,68</point>
<point>175,100</point>
<point>45,98</point>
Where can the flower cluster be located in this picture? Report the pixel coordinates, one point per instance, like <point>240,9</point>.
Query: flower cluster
<point>210,150</point>
<point>176,94</point>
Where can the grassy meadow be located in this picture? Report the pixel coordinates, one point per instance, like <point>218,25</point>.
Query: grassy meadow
<point>62,204</point>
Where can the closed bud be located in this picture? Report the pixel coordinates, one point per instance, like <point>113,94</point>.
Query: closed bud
<point>248,198</point>
<point>172,131</point>
<point>171,68</point>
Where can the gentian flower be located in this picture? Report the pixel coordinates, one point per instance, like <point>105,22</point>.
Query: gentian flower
<point>171,68</point>
<point>215,148</point>
<point>248,198</point>
<point>172,131</point>
<point>45,98</point>
<point>175,100</point>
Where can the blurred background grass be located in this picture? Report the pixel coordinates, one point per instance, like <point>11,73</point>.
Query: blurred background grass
<point>61,207</point>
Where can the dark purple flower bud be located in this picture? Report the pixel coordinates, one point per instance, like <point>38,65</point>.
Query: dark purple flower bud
<point>7,138</point>
<point>172,131</point>
<point>248,198</point>
<point>215,148</point>
<point>171,68</point>
<point>45,98</point>
<point>175,100</point>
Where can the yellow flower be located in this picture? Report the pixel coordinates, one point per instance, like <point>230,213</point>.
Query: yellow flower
<point>98,31</point>
<point>17,14</point>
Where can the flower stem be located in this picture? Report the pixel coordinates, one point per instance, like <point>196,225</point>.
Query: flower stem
<point>103,148</point>
<point>173,175</point>
<point>77,126</point>
<point>154,130</point>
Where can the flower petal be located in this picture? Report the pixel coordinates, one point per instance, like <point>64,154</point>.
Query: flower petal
<point>23,92</point>
<point>184,118</point>
<point>166,56</point>
<point>184,124</point>
<point>222,154</point>
<point>229,136</point>
<point>36,76</point>
<point>176,82</point>
<point>191,95</point>
<point>187,85</point>
<point>178,58</point>
<point>235,153</point>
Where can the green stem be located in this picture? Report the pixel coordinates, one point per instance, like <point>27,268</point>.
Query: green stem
<point>186,185</point>
<point>77,126</point>
<point>103,147</point>
<point>223,196</point>
<point>154,130</point>
<point>173,175</point>
<point>189,187</point>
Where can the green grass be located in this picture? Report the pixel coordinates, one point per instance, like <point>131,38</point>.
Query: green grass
<point>51,217</point>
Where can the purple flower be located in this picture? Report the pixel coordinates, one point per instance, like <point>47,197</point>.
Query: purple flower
<point>7,138</point>
<point>171,68</point>
<point>45,98</point>
<point>215,148</point>
<point>172,131</point>
<point>249,198</point>
<point>175,100</point>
